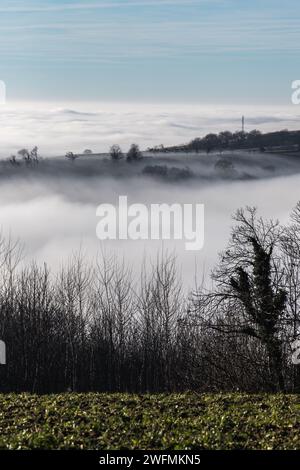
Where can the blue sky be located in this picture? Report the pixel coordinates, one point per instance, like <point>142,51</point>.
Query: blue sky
<point>204,51</point>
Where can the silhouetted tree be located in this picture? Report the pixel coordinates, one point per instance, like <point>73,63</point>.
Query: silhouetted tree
<point>13,160</point>
<point>29,157</point>
<point>90,327</point>
<point>249,289</point>
<point>34,155</point>
<point>71,156</point>
<point>134,153</point>
<point>115,152</point>
<point>25,154</point>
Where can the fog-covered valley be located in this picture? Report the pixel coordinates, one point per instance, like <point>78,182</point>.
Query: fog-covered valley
<point>51,206</point>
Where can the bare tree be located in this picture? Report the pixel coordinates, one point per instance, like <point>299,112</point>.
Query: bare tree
<point>116,152</point>
<point>13,161</point>
<point>249,298</point>
<point>134,154</point>
<point>25,154</point>
<point>91,327</point>
<point>34,155</point>
<point>290,244</point>
<point>71,156</point>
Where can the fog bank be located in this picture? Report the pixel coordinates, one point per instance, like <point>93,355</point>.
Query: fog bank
<point>53,213</point>
<point>60,127</point>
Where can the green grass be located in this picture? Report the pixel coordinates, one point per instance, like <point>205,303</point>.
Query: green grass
<point>175,421</point>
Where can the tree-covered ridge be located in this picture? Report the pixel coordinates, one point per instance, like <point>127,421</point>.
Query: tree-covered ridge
<point>226,140</point>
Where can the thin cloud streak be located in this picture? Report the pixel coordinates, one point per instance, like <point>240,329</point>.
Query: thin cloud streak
<point>97,6</point>
<point>98,39</point>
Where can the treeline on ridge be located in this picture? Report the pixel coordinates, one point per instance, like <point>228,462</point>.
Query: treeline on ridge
<point>226,140</point>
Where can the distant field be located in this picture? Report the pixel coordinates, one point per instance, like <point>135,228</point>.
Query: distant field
<point>176,421</point>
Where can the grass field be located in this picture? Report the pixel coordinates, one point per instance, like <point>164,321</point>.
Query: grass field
<point>175,421</point>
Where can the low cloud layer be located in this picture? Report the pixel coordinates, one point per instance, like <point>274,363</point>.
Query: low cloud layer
<point>54,214</point>
<point>52,210</point>
<point>56,129</point>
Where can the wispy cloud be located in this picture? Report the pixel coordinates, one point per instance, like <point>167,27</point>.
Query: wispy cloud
<point>178,39</point>
<point>98,40</point>
<point>20,7</point>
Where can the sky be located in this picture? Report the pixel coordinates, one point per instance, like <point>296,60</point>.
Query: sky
<point>89,74</point>
<point>176,51</point>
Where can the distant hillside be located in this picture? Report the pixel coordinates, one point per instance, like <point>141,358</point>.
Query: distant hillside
<point>281,142</point>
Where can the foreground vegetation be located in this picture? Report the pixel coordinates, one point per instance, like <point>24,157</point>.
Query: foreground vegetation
<point>174,421</point>
<point>94,328</point>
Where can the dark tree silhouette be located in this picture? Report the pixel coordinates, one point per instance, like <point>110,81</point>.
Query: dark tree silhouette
<point>249,288</point>
<point>91,327</point>
<point>116,152</point>
<point>134,153</point>
<point>71,156</point>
